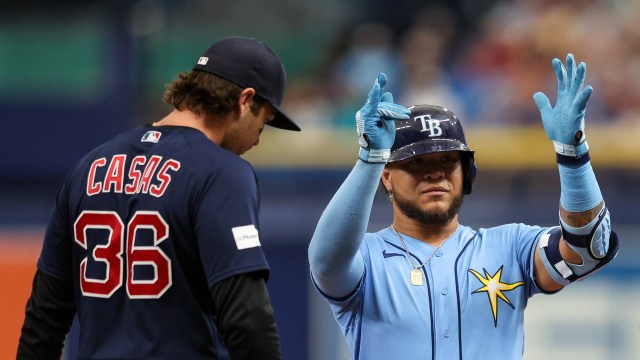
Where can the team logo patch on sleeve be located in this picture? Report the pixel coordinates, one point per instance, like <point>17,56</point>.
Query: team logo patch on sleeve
<point>151,136</point>
<point>246,236</point>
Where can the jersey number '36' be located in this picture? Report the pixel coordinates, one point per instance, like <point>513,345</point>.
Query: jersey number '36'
<point>110,254</point>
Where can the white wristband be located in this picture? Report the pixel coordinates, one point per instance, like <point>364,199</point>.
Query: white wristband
<point>569,150</point>
<point>374,155</point>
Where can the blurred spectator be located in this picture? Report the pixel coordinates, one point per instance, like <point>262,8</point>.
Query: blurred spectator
<point>424,49</point>
<point>498,71</point>
<point>500,67</point>
<point>369,50</point>
<point>306,102</point>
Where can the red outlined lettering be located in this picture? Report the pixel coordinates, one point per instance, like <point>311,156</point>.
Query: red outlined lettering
<point>94,187</point>
<point>110,254</point>
<point>141,177</point>
<point>115,174</point>
<point>149,170</point>
<point>165,179</point>
<point>148,255</point>
<point>135,174</point>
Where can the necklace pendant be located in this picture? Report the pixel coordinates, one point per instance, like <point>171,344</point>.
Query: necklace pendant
<point>416,277</point>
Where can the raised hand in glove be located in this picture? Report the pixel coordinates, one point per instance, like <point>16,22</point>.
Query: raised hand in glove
<point>564,123</point>
<point>375,125</point>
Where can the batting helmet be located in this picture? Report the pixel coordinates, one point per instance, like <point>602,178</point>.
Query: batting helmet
<point>432,129</point>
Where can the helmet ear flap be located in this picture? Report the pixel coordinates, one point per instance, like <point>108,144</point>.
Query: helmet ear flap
<point>469,176</point>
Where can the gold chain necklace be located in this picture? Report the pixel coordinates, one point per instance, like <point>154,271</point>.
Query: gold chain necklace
<point>416,274</point>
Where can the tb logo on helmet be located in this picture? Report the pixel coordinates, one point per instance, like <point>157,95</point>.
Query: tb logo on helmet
<point>429,125</point>
<point>433,129</point>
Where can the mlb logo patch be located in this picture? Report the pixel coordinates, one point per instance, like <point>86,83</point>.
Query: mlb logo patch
<point>203,60</point>
<point>151,136</point>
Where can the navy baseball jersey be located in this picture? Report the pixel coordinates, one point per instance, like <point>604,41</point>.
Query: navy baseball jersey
<point>473,295</point>
<point>144,226</point>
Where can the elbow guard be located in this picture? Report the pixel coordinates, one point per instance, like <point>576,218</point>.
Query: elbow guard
<point>595,243</point>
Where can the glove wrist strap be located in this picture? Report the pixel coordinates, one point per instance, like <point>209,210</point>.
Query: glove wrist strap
<point>571,150</point>
<point>573,161</point>
<point>374,155</point>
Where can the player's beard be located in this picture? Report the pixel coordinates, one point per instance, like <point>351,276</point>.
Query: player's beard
<point>437,218</point>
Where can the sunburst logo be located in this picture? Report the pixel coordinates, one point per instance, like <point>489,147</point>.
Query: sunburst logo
<point>495,289</point>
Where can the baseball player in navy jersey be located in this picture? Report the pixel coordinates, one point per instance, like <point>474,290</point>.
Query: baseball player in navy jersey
<point>154,238</point>
<point>427,287</point>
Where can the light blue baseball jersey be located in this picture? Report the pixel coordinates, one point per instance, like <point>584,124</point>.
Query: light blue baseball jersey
<point>470,306</point>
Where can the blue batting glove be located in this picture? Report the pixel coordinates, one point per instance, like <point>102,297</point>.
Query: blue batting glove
<point>375,123</point>
<point>564,123</point>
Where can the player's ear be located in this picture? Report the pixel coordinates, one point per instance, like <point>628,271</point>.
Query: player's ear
<point>245,99</point>
<point>386,179</point>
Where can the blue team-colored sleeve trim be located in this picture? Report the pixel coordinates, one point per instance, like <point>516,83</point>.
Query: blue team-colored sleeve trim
<point>572,160</point>
<point>340,299</point>
<point>532,264</point>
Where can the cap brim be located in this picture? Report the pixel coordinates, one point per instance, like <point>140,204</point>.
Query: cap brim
<point>282,120</point>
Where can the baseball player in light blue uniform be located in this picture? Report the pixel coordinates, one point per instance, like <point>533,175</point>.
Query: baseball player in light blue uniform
<point>428,287</point>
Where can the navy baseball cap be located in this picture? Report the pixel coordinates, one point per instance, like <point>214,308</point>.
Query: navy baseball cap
<point>248,62</point>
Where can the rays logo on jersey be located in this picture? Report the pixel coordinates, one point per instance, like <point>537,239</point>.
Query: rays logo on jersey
<point>495,288</point>
<point>151,136</point>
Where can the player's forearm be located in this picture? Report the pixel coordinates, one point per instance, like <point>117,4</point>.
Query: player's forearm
<point>579,189</point>
<point>344,222</point>
<point>255,334</point>
<point>582,218</point>
<point>246,319</point>
<point>576,219</point>
<point>584,242</point>
<point>334,260</point>
<point>580,200</point>
<point>49,314</point>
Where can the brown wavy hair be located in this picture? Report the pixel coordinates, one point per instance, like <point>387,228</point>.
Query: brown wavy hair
<point>206,94</point>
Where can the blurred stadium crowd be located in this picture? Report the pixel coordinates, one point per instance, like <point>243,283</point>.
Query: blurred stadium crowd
<point>485,68</point>
<point>481,58</point>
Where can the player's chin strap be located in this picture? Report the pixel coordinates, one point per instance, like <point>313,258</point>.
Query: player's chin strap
<point>595,243</point>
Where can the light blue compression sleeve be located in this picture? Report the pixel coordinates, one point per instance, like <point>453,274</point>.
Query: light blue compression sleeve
<point>336,265</point>
<point>579,190</point>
